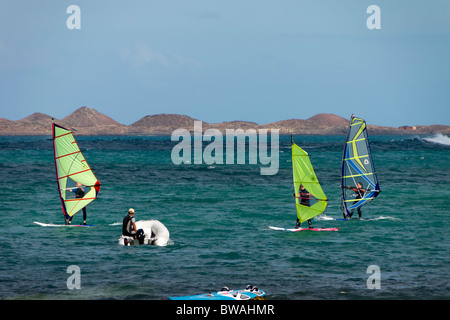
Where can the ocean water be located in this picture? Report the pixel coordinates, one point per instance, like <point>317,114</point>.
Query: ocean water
<point>218,218</point>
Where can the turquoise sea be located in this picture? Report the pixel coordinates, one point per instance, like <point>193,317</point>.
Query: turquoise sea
<point>218,218</point>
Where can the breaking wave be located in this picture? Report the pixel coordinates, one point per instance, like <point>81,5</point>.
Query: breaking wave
<point>439,139</point>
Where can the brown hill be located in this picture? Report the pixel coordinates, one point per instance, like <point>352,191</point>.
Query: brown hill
<point>322,123</point>
<point>327,120</point>
<point>88,121</point>
<point>164,119</point>
<point>290,126</point>
<point>83,121</point>
<point>35,124</point>
<point>6,125</point>
<point>37,118</point>
<point>222,126</point>
<point>161,124</point>
<point>437,128</point>
<point>87,117</point>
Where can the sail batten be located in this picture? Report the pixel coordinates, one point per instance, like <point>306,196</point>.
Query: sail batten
<point>72,174</point>
<point>69,154</point>
<point>72,168</point>
<point>357,167</point>
<point>314,201</point>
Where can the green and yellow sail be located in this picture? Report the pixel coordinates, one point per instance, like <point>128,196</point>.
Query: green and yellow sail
<point>303,174</point>
<point>71,168</point>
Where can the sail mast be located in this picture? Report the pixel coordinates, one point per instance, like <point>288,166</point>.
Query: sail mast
<point>56,170</point>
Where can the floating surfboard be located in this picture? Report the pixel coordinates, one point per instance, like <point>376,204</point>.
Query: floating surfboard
<point>226,294</point>
<point>303,229</point>
<point>62,225</point>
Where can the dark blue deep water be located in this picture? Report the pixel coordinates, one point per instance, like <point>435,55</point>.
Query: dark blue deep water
<point>218,217</point>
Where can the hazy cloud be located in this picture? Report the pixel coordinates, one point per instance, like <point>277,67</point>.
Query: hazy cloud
<point>141,55</point>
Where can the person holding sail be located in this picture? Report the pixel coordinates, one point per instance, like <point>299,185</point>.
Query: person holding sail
<point>304,197</point>
<point>359,193</point>
<point>79,193</point>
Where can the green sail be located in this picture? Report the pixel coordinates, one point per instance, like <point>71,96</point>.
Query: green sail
<point>72,167</point>
<point>303,174</point>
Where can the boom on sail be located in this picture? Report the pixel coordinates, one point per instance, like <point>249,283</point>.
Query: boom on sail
<point>71,168</point>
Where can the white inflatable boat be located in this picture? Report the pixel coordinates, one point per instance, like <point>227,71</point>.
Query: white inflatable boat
<point>155,233</point>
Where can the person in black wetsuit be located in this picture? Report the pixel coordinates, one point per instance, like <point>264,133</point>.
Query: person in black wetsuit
<point>129,227</point>
<point>359,193</point>
<point>304,197</point>
<point>79,193</point>
<point>129,224</point>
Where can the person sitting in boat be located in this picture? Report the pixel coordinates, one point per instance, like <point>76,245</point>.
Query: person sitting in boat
<point>304,197</point>
<point>359,193</point>
<point>79,193</point>
<point>129,226</point>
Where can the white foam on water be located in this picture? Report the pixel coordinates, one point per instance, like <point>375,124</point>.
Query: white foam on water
<point>439,139</point>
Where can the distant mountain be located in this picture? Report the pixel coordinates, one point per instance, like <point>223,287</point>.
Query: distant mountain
<point>161,124</point>
<point>37,118</point>
<point>223,126</point>
<point>88,121</point>
<point>37,122</point>
<point>322,123</point>
<point>88,117</point>
<point>327,120</point>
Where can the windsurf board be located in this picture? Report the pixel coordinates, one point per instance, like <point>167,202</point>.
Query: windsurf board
<point>226,294</point>
<point>303,229</point>
<point>62,225</point>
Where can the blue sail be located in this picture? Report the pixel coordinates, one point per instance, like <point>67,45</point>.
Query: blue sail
<point>359,180</point>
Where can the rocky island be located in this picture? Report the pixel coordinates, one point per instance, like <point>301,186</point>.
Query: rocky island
<point>88,121</point>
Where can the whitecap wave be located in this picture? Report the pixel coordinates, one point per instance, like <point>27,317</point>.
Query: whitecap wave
<point>385,218</point>
<point>323,217</point>
<point>439,139</point>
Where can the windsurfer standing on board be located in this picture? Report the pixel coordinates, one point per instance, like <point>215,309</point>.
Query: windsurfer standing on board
<point>359,193</point>
<point>304,197</point>
<point>79,193</point>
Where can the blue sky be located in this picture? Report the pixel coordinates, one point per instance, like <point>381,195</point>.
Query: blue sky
<point>260,61</point>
